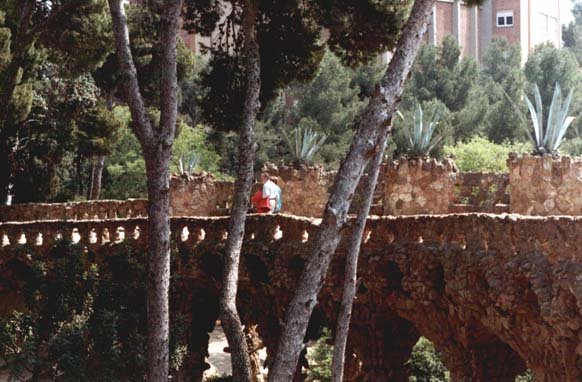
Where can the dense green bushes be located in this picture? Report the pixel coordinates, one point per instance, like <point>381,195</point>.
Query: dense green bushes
<point>481,155</point>
<point>82,322</point>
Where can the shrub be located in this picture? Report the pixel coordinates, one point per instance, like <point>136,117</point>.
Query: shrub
<point>572,147</point>
<point>320,358</point>
<point>526,377</point>
<point>426,364</point>
<point>481,155</point>
<point>79,316</point>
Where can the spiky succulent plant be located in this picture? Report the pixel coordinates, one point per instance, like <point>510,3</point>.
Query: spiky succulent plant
<point>304,143</point>
<point>420,137</point>
<point>548,140</point>
<point>189,168</point>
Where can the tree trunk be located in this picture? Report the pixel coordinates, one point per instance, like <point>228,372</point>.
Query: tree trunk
<point>158,280</point>
<point>351,270</point>
<point>231,323</point>
<point>365,143</point>
<point>96,176</point>
<point>5,171</point>
<point>157,148</point>
<point>79,175</point>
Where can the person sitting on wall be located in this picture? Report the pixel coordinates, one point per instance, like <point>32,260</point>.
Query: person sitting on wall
<point>268,199</point>
<point>260,204</point>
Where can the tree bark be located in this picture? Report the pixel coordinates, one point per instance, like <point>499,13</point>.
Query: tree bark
<point>231,323</point>
<point>96,176</point>
<point>365,143</point>
<point>157,148</point>
<point>351,269</point>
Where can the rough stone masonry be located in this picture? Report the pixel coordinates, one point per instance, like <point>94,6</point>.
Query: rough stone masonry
<point>494,293</point>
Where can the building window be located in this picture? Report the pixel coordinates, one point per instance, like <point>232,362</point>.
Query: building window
<point>505,19</point>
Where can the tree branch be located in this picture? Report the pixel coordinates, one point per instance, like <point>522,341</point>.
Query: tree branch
<point>141,125</point>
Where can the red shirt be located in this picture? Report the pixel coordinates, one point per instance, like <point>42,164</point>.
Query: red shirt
<point>261,204</point>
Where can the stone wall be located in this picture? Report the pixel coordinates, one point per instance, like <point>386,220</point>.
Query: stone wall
<point>304,192</point>
<point>199,195</point>
<point>545,185</point>
<point>419,186</point>
<point>480,192</point>
<point>93,209</point>
<point>538,186</point>
<point>493,293</point>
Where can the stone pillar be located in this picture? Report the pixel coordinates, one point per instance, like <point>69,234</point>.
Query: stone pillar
<point>419,186</point>
<point>384,346</point>
<point>545,185</point>
<point>254,344</point>
<point>200,310</point>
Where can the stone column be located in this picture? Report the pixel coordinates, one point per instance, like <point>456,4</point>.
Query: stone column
<point>200,309</point>
<point>384,346</point>
<point>545,185</point>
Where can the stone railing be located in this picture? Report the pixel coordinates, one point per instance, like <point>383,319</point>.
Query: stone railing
<point>557,237</point>
<point>93,209</point>
<point>495,293</point>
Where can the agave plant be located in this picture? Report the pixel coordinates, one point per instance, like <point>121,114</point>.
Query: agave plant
<point>189,168</point>
<point>304,143</point>
<point>421,140</point>
<point>549,140</point>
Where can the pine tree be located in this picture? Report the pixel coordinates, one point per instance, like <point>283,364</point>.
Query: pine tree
<point>441,74</point>
<point>73,33</point>
<point>502,77</point>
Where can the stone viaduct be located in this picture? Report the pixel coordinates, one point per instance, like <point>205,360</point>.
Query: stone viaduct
<point>494,293</point>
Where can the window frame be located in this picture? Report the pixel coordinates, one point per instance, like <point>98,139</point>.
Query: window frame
<point>505,15</point>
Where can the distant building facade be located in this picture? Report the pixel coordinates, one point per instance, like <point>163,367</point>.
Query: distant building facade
<point>524,22</point>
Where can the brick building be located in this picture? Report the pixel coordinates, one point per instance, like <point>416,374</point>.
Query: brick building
<point>524,22</point>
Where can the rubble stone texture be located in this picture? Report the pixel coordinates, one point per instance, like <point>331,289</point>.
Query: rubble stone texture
<point>494,293</point>
<point>304,192</point>
<point>544,185</point>
<point>95,209</point>
<point>419,186</point>
<point>199,195</point>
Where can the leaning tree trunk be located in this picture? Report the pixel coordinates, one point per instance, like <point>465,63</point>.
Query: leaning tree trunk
<point>231,323</point>
<point>157,148</point>
<point>364,144</point>
<point>96,177</point>
<point>351,268</point>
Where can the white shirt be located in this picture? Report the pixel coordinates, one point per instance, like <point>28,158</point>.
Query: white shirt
<point>270,190</point>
